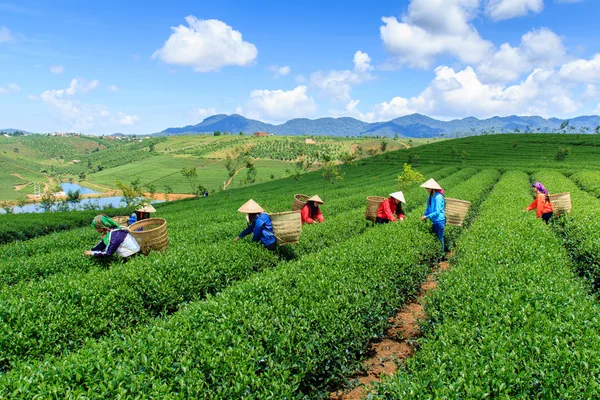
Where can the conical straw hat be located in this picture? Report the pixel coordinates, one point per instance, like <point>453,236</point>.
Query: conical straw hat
<point>316,199</point>
<point>398,196</point>
<point>147,208</point>
<point>251,207</point>
<point>431,184</point>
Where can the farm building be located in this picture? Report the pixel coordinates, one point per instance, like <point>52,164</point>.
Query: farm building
<point>261,134</point>
<point>309,141</point>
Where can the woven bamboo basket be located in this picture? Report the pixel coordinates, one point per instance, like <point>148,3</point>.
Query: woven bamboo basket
<point>122,220</point>
<point>456,211</point>
<point>373,204</point>
<point>152,236</point>
<point>287,227</point>
<point>299,202</point>
<point>561,203</point>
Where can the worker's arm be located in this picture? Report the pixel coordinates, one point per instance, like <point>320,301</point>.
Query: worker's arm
<point>247,231</point>
<point>99,247</point>
<point>533,205</point>
<point>387,210</point>
<point>320,216</point>
<point>116,238</point>
<point>305,214</point>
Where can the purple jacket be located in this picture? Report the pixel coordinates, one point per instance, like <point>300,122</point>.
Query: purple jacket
<point>117,237</point>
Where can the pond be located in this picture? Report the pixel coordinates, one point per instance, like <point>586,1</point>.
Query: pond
<point>96,203</point>
<point>73,187</point>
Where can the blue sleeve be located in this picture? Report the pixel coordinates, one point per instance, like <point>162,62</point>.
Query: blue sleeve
<point>258,227</point>
<point>99,247</point>
<point>248,230</point>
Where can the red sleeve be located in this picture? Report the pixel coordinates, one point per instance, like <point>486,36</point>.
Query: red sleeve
<point>305,216</point>
<point>320,216</point>
<point>387,210</point>
<point>533,205</point>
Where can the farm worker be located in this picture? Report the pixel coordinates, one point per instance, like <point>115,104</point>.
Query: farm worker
<point>143,212</point>
<point>311,211</point>
<point>115,240</point>
<point>435,209</point>
<point>390,206</point>
<point>542,205</point>
<point>259,224</point>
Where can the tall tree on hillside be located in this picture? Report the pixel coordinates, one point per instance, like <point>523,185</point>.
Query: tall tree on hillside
<point>564,126</point>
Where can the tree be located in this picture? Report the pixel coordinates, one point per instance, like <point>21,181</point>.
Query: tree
<point>217,133</point>
<point>562,153</point>
<point>234,160</point>
<point>250,172</point>
<point>383,146</point>
<point>331,173</point>
<point>564,126</point>
<point>132,194</point>
<point>73,197</point>
<point>409,176</point>
<point>151,187</point>
<point>168,191</point>
<point>191,174</point>
<point>372,152</point>
<point>82,175</point>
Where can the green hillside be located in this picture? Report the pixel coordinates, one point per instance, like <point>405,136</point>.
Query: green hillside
<point>515,315</point>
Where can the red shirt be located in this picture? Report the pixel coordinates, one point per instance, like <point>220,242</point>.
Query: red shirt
<point>307,218</point>
<point>540,205</point>
<point>387,209</point>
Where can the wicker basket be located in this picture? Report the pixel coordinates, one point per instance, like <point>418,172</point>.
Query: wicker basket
<point>373,204</point>
<point>287,227</point>
<point>122,220</point>
<point>152,236</point>
<point>299,202</point>
<point>561,203</point>
<point>456,211</point>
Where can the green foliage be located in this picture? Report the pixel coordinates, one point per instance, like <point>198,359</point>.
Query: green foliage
<point>508,320</point>
<point>409,176</point>
<point>332,174</point>
<point>562,153</point>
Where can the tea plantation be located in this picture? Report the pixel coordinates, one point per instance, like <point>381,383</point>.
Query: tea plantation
<point>515,315</point>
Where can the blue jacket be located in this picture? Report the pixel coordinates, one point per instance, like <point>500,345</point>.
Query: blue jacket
<point>262,228</point>
<point>435,208</point>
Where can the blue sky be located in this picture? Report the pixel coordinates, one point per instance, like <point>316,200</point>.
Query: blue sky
<point>140,67</point>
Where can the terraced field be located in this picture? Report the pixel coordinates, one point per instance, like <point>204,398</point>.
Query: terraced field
<point>514,316</point>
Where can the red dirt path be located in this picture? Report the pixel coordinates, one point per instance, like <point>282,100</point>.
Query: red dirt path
<point>395,347</point>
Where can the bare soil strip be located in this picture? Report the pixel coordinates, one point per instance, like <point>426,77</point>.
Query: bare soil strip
<point>395,347</point>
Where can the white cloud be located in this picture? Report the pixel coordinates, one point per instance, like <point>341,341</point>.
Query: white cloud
<point>57,69</point>
<point>538,49</point>
<point>454,94</point>
<point>362,62</point>
<point>127,120</point>
<point>199,114</point>
<point>597,110</point>
<point>113,88</point>
<point>64,106</point>
<point>337,85</point>
<point>582,71</point>
<point>280,71</point>
<point>280,105</point>
<point>206,45</point>
<point>6,36</point>
<point>11,88</point>
<point>432,28</point>
<point>506,9</point>
<point>569,1</point>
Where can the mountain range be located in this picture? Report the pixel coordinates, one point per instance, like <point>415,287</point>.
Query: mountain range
<point>414,125</point>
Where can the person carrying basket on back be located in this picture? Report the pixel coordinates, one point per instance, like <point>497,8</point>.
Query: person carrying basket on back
<point>542,205</point>
<point>115,240</point>
<point>390,209</point>
<point>311,212</point>
<point>259,224</point>
<point>435,211</point>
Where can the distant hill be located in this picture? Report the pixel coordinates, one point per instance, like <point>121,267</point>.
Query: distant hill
<point>15,130</point>
<point>414,125</point>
